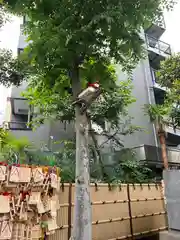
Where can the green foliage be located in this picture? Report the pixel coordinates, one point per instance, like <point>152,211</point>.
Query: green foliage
<point>169,74</point>
<point>3,138</point>
<point>74,42</point>
<point>39,157</point>
<point>11,148</point>
<point>163,115</point>
<point>120,167</point>
<point>53,103</point>
<point>175,116</point>
<point>69,38</point>
<point>111,107</point>
<point>3,15</point>
<point>10,69</point>
<point>156,112</point>
<point>66,34</point>
<point>127,169</point>
<point>66,162</point>
<point>71,41</point>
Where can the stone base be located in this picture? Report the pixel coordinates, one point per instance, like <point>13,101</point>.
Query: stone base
<point>169,235</point>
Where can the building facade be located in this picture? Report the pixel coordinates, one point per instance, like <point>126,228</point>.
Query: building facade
<point>146,91</point>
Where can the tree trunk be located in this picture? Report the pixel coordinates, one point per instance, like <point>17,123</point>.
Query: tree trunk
<point>162,140</point>
<point>82,225</point>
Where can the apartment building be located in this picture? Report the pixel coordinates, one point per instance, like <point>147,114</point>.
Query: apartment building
<point>146,91</point>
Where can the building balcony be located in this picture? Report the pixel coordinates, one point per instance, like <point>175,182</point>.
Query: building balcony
<point>152,155</point>
<point>154,80</point>
<point>157,28</point>
<point>157,51</point>
<point>22,126</point>
<point>172,131</point>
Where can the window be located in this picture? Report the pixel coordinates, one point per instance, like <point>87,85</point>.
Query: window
<point>21,114</point>
<point>20,50</point>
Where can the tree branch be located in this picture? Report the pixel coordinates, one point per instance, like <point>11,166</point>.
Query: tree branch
<point>92,133</point>
<point>111,136</point>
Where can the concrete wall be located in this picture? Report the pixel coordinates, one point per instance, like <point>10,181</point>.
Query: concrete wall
<point>143,92</point>
<point>61,131</point>
<point>172,194</point>
<point>17,91</point>
<point>39,137</point>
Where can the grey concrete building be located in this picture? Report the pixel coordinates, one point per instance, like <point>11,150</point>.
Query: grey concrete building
<point>145,90</point>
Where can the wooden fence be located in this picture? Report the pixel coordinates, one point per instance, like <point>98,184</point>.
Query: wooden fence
<point>121,212</point>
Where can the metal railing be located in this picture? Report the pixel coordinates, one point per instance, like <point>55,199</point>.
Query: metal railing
<point>173,155</point>
<point>154,79</point>
<point>153,75</point>
<point>153,154</point>
<point>13,125</point>
<point>159,45</point>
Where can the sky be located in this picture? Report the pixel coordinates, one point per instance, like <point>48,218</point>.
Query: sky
<point>9,36</point>
<point>172,33</point>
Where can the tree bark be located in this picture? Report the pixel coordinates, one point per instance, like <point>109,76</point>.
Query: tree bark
<point>82,224</point>
<point>162,140</point>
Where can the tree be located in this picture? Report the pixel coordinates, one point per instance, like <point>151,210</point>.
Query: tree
<point>9,66</point>
<point>67,34</point>
<point>168,76</point>
<point>10,69</point>
<point>158,114</point>
<point>112,108</point>
<point>3,16</point>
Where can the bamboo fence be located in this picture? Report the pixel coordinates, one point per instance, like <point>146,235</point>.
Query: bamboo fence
<point>121,212</point>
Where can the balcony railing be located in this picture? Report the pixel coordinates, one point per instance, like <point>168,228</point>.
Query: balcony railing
<point>158,45</point>
<point>17,126</point>
<point>153,154</point>
<point>154,80</point>
<point>153,75</point>
<point>170,128</point>
<point>173,155</point>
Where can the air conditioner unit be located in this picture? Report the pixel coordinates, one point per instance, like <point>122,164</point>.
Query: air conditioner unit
<point>21,107</point>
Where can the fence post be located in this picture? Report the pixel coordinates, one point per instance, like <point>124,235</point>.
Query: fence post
<point>130,212</point>
<point>69,210</point>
